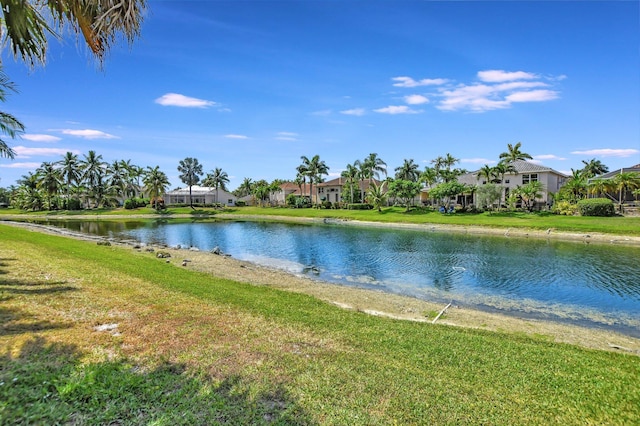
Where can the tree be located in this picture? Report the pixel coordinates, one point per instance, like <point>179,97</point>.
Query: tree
<point>487,172</point>
<point>502,169</point>
<point>447,190</point>
<point>245,188</point>
<point>406,190</point>
<point>93,172</point>
<point>529,193</point>
<point>49,180</point>
<point>190,171</point>
<point>488,195</point>
<point>593,168</point>
<point>217,179</point>
<point>599,187</point>
<point>377,195</point>
<point>351,175</point>
<point>70,172</point>
<point>626,181</point>
<point>155,184</point>
<point>314,168</point>
<point>408,171</point>
<point>513,153</point>
<point>101,22</point>
<point>9,125</point>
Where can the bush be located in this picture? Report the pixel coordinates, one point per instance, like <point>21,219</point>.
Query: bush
<point>241,203</point>
<point>134,203</point>
<point>359,206</point>
<point>326,204</point>
<point>565,208</point>
<point>596,207</point>
<point>73,204</point>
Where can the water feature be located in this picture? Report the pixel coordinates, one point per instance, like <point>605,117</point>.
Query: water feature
<point>571,281</point>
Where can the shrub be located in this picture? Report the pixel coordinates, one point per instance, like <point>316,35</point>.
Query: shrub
<point>73,204</point>
<point>565,208</point>
<point>596,207</point>
<point>326,204</point>
<point>241,203</point>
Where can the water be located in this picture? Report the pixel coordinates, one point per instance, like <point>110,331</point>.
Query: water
<point>597,285</point>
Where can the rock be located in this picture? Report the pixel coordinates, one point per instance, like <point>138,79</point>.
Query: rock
<point>104,243</point>
<point>163,255</point>
<point>216,250</point>
<point>150,249</point>
<point>184,263</point>
<point>194,249</point>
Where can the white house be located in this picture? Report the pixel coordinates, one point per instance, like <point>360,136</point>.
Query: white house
<point>200,195</point>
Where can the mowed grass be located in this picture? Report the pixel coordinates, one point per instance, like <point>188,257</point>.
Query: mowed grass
<point>190,348</point>
<point>539,221</point>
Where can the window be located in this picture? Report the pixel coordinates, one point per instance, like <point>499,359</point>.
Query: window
<point>533,177</point>
<point>506,181</point>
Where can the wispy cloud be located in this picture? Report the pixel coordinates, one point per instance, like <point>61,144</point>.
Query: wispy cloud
<point>35,137</point>
<point>355,111</point>
<point>416,99</point>
<point>608,152</point>
<point>28,166</point>
<point>232,136</point>
<point>397,109</point>
<point>178,100</point>
<point>548,157</point>
<point>498,76</point>
<point>287,136</point>
<point>322,113</point>
<point>27,152</point>
<point>88,134</point>
<point>410,82</point>
<point>477,161</point>
<point>532,96</point>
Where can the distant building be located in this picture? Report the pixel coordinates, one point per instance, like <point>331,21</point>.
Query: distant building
<point>199,195</point>
<point>628,196</point>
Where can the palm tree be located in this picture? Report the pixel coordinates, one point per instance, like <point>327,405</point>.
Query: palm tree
<point>301,171</point>
<point>117,177</point>
<point>626,181</point>
<point>101,23</point>
<point>599,187</point>
<point>376,165</point>
<point>351,174</point>
<point>155,184</point>
<point>408,171</point>
<point>93,172</point>
<point>594,168</point>
<point>69,171</point>
<point>28,195</point>
<point>513,153</point>
<point>314,168</point>
<point>190,171</point>
<point>502,169</point>
<point>377,195</point>
<point>217,179</point>
<point>49,180</point>
<point>487,172</point>
<point>9,125</point>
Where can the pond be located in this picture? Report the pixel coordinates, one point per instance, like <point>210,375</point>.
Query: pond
<point>591,284</point>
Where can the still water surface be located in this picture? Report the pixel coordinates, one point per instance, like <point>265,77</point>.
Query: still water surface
<point>598,285</point>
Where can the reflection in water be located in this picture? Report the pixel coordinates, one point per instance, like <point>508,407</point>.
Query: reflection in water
<point>579,281</point>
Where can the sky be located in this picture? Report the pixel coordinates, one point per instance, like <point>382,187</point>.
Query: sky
<point>251,86</point>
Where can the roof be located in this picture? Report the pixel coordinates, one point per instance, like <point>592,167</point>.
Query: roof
<point>616,172</point>
<point>197,190</point>
<point>521,166</point>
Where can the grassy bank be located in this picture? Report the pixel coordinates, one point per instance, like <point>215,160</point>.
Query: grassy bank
<point>629,226</point>
<point>188,348</point>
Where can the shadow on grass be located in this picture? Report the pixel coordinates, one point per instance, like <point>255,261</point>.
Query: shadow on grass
<point>44,383</point>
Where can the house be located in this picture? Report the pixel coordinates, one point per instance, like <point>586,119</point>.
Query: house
<point>199,195</point>
<point>628,196</point>
<point>526,172</point>
<point>286,189</point>
<point>332,190</point>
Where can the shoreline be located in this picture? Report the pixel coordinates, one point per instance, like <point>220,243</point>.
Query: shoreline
<point>374,302</point>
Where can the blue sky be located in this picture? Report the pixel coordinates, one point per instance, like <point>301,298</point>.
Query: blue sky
<point>250,86</point>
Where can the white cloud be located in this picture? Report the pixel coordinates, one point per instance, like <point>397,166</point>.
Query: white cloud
<point>416,99</point>
<point>478,97</point>
<point>40,138</point>
<point>396,109</point>
<point>548,157</point>
<point>532,96</point>
<point>13,165</point>
<point>410,82</point>
<point>477,161</point>
<point>355,111</point>
<point>287,136</point>
<point>497,76</point>
<point>608,152</point>
<point>231,136</point>
<point>88,134</point>
<point>176,99</point>
<point>26,152</point>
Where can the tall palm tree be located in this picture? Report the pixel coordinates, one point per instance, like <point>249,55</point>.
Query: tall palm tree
<point>487,172</point>
<point>599,187</point>
<point>502,169</point>
<point>351,175</point>
<point>69,171</point>
<point>376,165</point>
<point>217,179</point>
<point>190,171</point>
<point>594,168</point>
<point>9,125</point>
<point>155,183</point>
<point>93,172</point>
<point>49,180</point>
<point>118,177</point>
<point>101,23</point>
<point>514,153</point>
<point>315,169</point>
<point>408,171</point>
<point>245,188</point>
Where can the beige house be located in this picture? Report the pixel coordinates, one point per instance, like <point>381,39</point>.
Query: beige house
<point>526,172</point>
<point>326,191</point>
<point>199,195</point>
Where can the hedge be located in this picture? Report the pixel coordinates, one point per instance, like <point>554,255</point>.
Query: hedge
<point>596,207</point>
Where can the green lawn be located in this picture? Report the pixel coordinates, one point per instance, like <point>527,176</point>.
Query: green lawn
<point>617,225</point>
<point>195,349</point>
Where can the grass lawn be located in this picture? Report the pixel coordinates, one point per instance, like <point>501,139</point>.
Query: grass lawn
<point>184,347</point>
<point>618,225</point>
